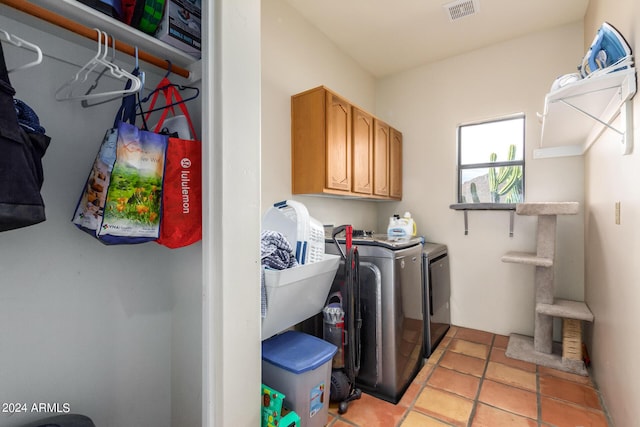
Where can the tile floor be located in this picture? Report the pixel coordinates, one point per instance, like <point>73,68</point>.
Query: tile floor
<point>468,381</point>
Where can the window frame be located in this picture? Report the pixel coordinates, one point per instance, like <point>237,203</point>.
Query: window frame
<point>461,167</point>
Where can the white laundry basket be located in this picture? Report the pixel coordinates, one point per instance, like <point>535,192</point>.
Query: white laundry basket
<point>304,233</point>
<point>297,293</point>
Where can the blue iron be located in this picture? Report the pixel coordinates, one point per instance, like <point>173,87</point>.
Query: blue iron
<point>608,49</point>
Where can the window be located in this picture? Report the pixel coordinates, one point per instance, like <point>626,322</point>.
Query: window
<point>491,161</point>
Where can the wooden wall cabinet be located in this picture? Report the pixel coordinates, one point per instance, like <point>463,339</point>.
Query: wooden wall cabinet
<point>338,140</point>
<point>395,164</point>
<point>321,143</point>
<point>381,141</point>
<point>340,149</point>
<point>362,150</point>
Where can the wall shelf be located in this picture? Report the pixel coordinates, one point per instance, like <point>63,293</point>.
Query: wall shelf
<point>91,18</point>
<point>466,207</point>
<point>575,115</point>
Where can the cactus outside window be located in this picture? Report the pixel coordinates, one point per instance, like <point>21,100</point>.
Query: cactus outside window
<point>491,161</point>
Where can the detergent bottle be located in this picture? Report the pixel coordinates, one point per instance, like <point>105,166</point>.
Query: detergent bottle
<point>410,224</point>
<point>401,227</point>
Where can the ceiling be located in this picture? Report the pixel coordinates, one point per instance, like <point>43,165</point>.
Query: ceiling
<point>388,36</point>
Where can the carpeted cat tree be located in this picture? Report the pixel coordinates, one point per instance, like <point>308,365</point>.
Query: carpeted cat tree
<point>540,348</point>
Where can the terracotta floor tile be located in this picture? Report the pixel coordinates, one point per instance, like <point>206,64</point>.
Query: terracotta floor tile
<point>480,351</point>
<point>430,362</point>
<point>416,419</point>
<point>463,363</point>
<point>579,394</point>
<point>372,412</point>
<point>461,384</point>
<point>444,391</point>
<point>423,374</point>
<point>410,395</point>
<point>511,376</point>
<point>498,355</point>
<point>475,335</point>
<point>444,343</point>
<point>580,379</point>
<point>452,331</point>
<point>562,414</point>
<point>488,416</point>
<point>444,406</point>
<point>501,341</point>
<point>330,418</point>
<point>436,355</point>
<point>509,398</point>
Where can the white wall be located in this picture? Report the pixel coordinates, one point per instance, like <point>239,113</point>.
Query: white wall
<point>612,251</point>
<point>426,104</point>
<point>297,57</point>
<point>231,215</point>
<point>113,331</point>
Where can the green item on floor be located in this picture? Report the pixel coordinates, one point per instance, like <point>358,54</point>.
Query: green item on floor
<point>290,420</point>
<point>274,414</point>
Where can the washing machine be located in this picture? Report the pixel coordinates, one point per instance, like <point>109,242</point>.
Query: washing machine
<point>437,293</point>
<point>391,307</point>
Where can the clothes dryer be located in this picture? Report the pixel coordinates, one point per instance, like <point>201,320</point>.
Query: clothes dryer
<point>437,293</point>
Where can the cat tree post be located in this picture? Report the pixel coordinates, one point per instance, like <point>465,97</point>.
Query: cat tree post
<point>544,282</point>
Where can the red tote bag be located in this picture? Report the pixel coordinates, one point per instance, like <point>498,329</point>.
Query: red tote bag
<point>181,218</point>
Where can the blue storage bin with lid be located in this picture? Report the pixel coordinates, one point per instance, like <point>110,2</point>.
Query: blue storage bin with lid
<point>299,366</point>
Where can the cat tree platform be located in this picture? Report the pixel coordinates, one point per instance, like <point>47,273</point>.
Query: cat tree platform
<point>540,349</point>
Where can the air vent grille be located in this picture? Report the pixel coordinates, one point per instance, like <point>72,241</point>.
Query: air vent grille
<point>461,8</point>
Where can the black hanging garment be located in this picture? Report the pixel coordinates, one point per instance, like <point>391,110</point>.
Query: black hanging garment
<point>21,152</point>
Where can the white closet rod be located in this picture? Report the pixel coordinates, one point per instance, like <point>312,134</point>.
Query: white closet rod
<point>67,24</point>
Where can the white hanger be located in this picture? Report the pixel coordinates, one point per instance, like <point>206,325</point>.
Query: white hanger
<point>141,75</point>
<point>66,91</point>
<point>89,66</point>
<point>17,41</point>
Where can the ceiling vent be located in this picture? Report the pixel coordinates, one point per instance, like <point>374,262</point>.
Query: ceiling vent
<point>460,8</point>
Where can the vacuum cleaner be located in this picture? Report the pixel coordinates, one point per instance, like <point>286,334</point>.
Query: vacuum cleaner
<point>342,325</point>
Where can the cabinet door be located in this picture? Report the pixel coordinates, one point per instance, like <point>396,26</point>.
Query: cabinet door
<point>381,140</point>
<point>362,152</point>
<point>395,164</point>
<point>338,173</point>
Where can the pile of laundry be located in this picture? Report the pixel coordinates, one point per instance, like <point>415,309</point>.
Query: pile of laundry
<point>609,52</point>
<point>276,253</point>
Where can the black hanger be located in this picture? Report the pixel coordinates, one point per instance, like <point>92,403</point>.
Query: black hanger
<point>139,102</point>
<point>179,87</point>
<point>158,89</point>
